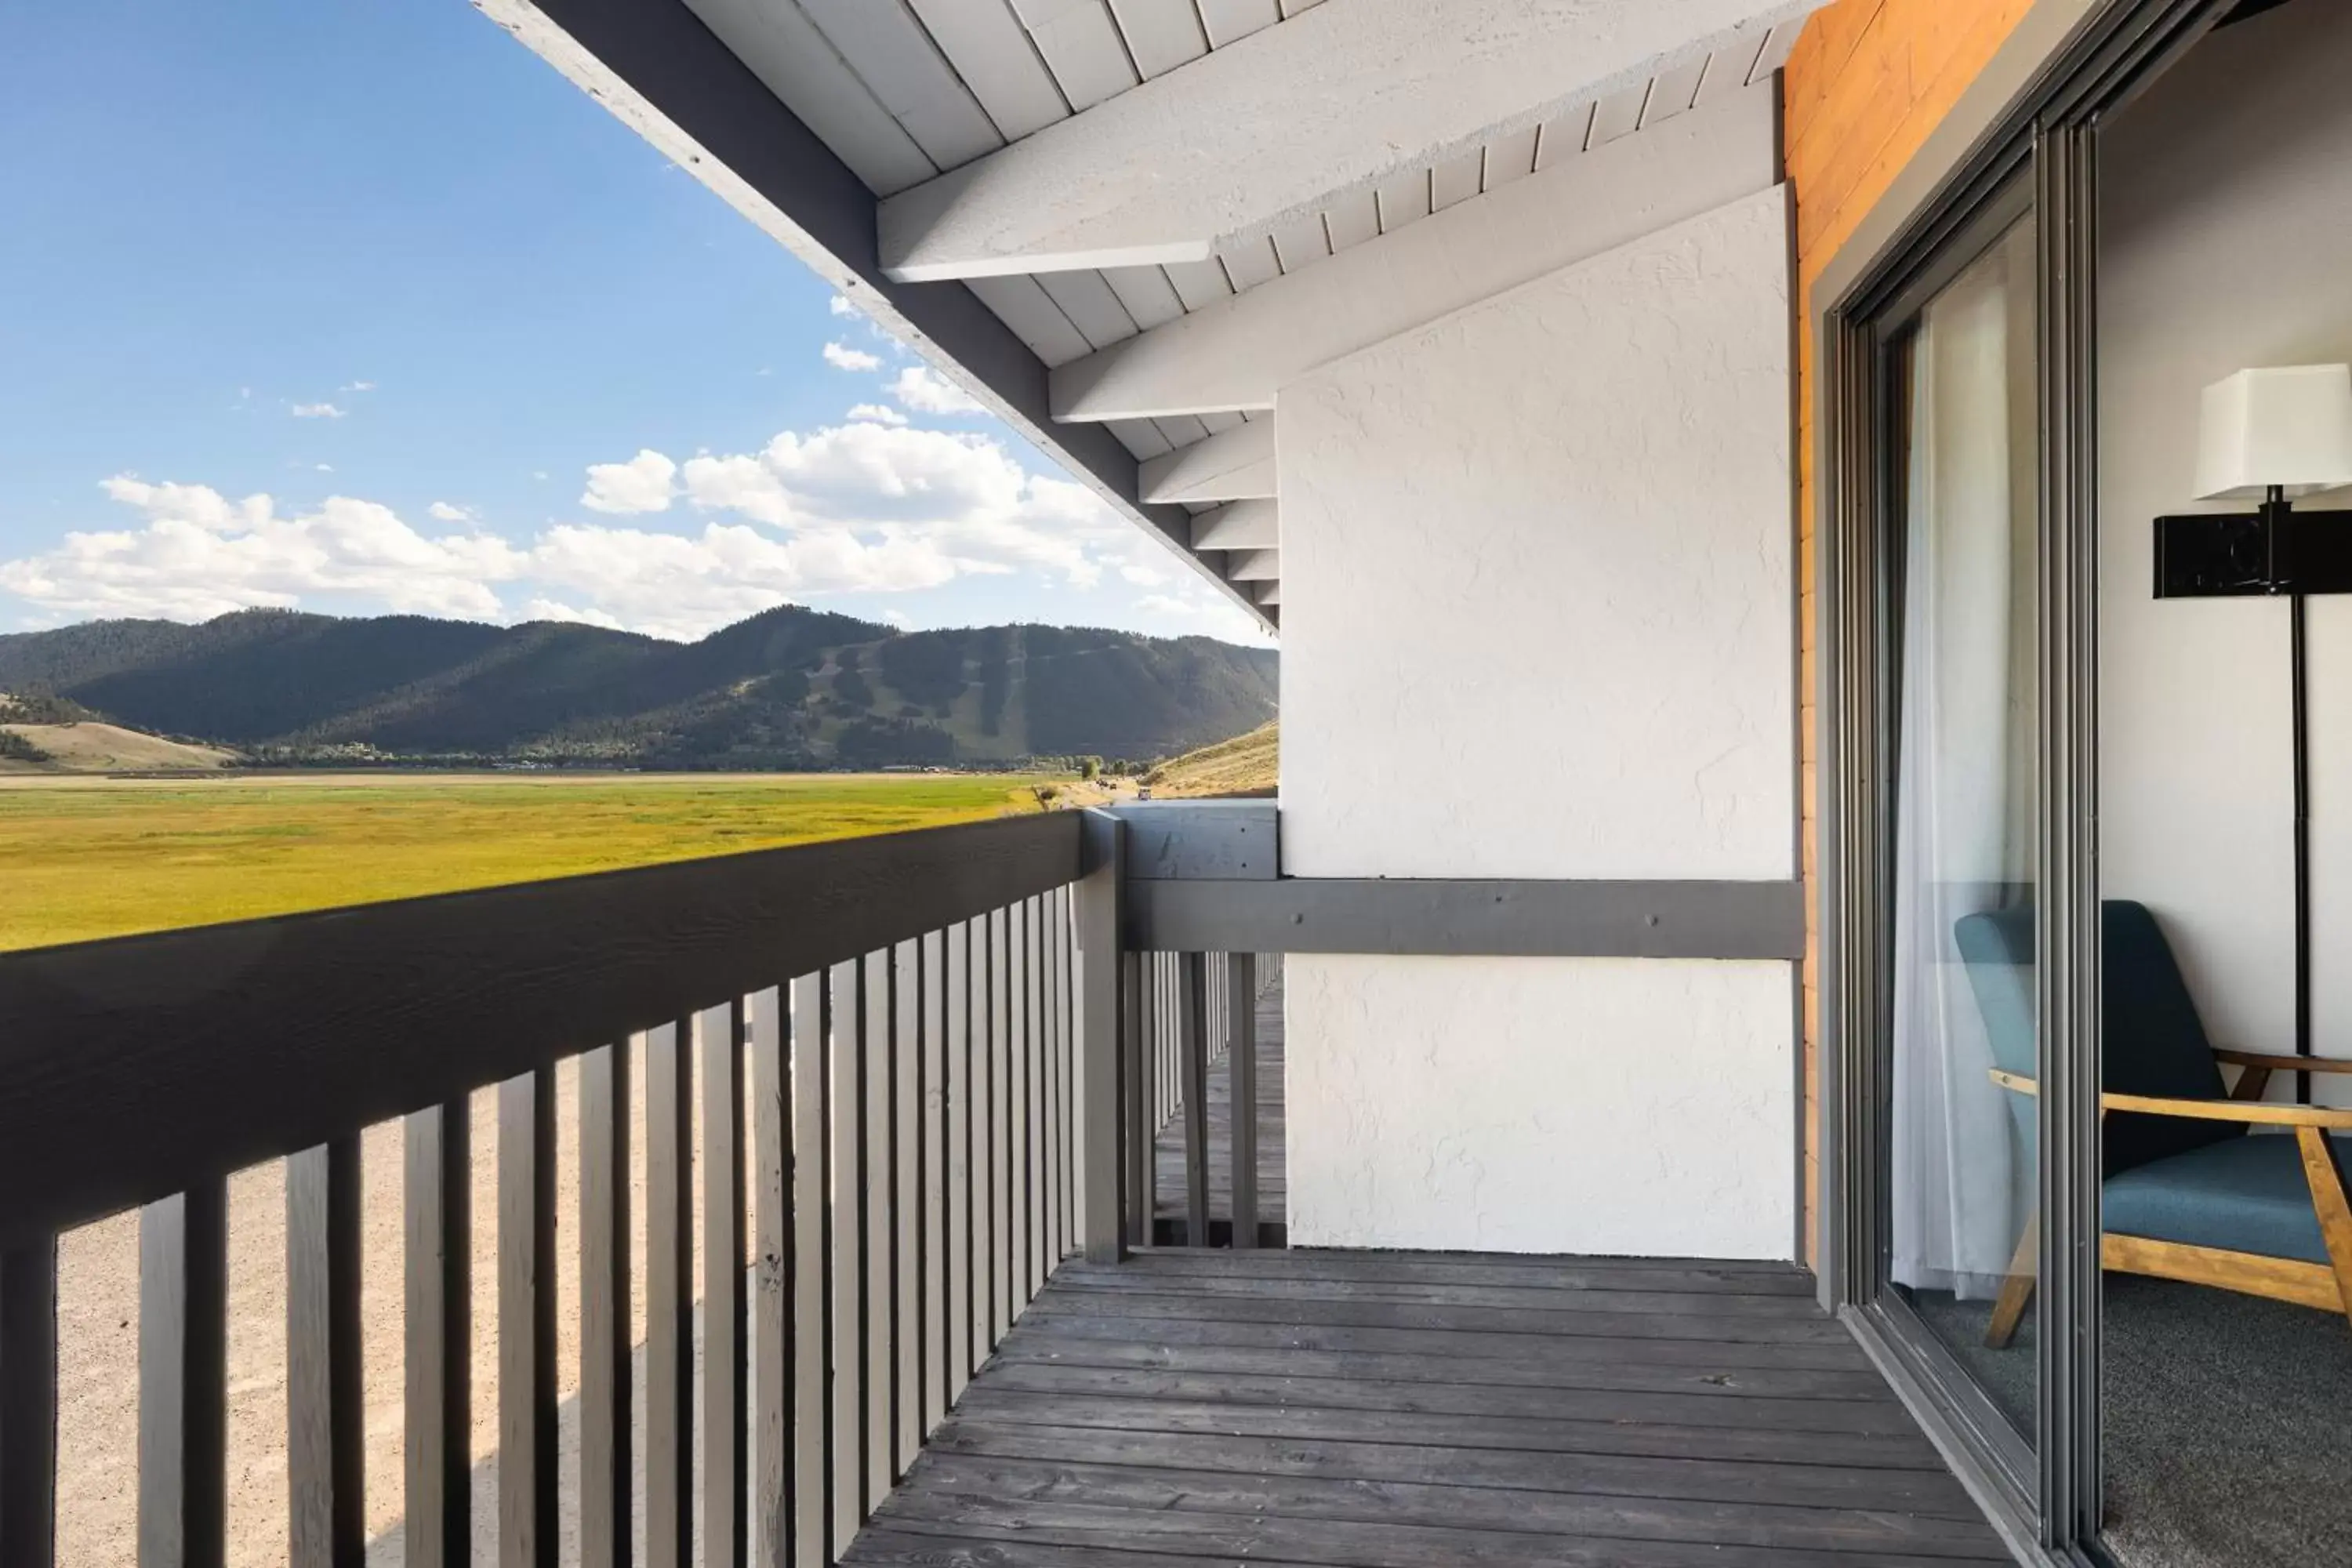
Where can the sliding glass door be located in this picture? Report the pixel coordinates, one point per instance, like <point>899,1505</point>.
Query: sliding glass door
<point>1961,1056</point>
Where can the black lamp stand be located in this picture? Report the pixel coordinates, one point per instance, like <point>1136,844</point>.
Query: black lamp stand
<point>2267,554</point>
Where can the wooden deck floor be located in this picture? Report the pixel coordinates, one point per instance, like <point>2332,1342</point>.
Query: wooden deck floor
<point>1168,1150</point>
<point>1417,1411</point>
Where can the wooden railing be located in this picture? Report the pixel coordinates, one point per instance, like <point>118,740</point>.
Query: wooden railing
<point>898,1045</point>
<point>1193,1021</point>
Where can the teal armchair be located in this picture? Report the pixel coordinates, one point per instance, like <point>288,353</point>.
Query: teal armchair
<point>2191,1191</point>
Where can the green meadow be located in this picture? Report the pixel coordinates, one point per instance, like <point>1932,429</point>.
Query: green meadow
<point>83,858</point>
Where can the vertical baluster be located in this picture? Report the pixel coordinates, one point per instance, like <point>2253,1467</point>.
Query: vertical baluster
<point>905,1338</point>
<point>527,1481</point>
<point>28,1402</point>
<point>326,1522</point>
<point>718,1054</point>
<point>932,1189</point>
<point>812,1088</point>
<point>1004,1217</point>
<point>183,1378</point>
<point>1050,1016</point>
<point>437,1357</point>
<point>958,1129</point>
<point>1241,1054</point>
<point>774,1271</point>
<point>669,1303</point>
<point>1065,1030</point>
<point>1021,1189</point>
<point>1043,1169</point>
<point>986,945</point>
<point>606,1460</point>
<point>846,1342</point>
<point>876,1285</point>
<point>1193,1043</point>
<point>1135,1081</point>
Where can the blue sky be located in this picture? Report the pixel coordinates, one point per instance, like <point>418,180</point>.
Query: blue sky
<point>359,306</point>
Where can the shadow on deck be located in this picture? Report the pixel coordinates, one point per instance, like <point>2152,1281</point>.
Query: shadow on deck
<point>1406,1411</point>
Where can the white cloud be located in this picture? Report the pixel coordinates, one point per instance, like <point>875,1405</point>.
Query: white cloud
<point>1142,576</point>
<point>317,411</point>
<point>864,507</point>
<point>839,305</point>
<point>357,386</point>
<point>840,356</point>
<point>926,391</point>
<point>899,619</point>
<point>645,483</point>
<point>201,554</point>
<point>876,414</point>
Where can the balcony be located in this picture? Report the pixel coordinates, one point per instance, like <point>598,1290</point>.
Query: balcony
<point>939,1138</point>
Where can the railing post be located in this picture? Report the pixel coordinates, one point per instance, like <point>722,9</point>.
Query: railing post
<point>1241,1054</point>
<point>1103,859</point>
<point>1192,1045</point>
<point>28,1400</point>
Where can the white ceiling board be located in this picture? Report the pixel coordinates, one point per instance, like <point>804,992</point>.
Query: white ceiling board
<point>1292,8</point>
<point>1456,180</point>
<point>1034,317</point>
<point>1776,48</point>
<point>1730,68</point>
<point>1235,466</point>
<point>1150,299</point>
<point>1160,34</point>
<point>1218,421</point>
<point>1301,242</point>
<point>1089,59</point>
<point>1255,566</point>
<point>1235,354</point>
<point>1619,114</point>
<point>1239,525</point>
<point>782,48</point>
<point>1352,219</point>
<point>1511,157</point>
<point>1559,140</point>
<point>1199,283</point>
<point>1181,430</point>
<point>1251,262</point>
<point>1086,297</point>
<point>1404,200</point>
<point>1341,98</point>
<point>989,48</point>
<point>1269,594</point>
<point>1141,437</point>
<point>1674,91</point>
<point>1230,19</point>
<point>891,53</point>
<point>1034,14</point>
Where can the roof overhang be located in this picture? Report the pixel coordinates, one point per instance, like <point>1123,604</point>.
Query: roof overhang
<point>1122,224</point>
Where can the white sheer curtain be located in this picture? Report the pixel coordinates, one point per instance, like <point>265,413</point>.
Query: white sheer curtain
<point>1961,1184</point>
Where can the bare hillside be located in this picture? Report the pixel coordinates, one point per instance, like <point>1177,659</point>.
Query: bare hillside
<point>91,747</point>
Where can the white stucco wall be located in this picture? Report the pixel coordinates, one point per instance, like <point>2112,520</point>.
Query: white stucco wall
<point>2226,237</point>
<point>1538,623</point>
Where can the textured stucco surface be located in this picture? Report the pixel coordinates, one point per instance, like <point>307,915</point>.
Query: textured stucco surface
<point>1535,577</point>
<point>1536,623</point>
<point>1607,1106</point>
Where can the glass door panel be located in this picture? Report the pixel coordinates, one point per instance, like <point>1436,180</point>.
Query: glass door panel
<point>1962,1113</point>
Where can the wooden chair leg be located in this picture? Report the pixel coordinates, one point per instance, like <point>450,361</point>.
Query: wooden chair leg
<point>2008,1308</point>
<point>2328,1202</point>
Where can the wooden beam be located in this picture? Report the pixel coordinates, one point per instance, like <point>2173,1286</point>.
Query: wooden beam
<point>1335,102</point>
<point>1233,464</point>
<point>1255,566</point>
<point>1237,352</point>
<point>1240,525</point>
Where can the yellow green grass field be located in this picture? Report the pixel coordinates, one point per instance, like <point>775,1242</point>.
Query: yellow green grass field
<point>85,857</point>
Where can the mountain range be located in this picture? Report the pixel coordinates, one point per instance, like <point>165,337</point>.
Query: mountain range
<point>788,688</point>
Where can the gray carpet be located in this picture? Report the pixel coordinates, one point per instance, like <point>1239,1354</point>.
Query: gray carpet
<point>2229,1422</point>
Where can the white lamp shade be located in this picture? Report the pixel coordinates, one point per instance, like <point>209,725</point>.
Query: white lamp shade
<point>2289,426</point>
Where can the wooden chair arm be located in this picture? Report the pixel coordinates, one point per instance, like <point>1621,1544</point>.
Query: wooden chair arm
<point>2251,1113</point>
<point>2282,1063</point>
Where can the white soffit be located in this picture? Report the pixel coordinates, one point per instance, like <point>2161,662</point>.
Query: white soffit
<point>1223,150</point>
<point>1256,566</point>
<point>1239,525</point>
<point>1235,352</point>
<point>1233,464</point>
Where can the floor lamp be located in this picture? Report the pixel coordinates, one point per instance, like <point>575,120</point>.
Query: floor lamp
<point>2272,434</point>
